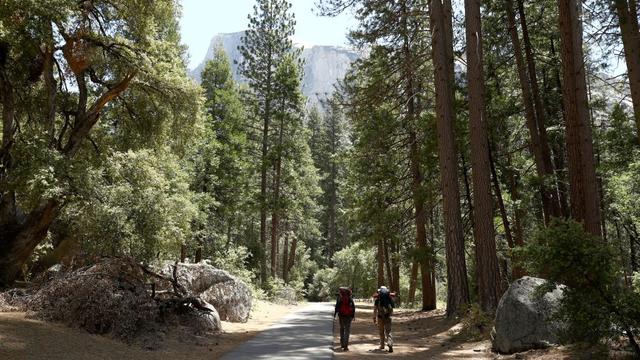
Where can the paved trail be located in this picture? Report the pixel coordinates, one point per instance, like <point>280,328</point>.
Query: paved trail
<point>303,334</point>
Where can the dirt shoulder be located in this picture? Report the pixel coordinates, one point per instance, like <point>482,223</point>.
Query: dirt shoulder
<point>23,338</point>
<point>426,335</point>
<point>417,335</point>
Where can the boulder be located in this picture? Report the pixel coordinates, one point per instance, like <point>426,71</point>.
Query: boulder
<point>231,298</point>
<point>228,294</point>
<point>204,322</point>
<point>523,318</point>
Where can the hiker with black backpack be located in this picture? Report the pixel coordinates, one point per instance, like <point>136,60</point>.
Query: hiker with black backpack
<point>346,310</point>
<point>382,311</point>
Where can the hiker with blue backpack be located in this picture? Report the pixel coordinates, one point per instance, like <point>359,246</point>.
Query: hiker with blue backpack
<point>382,311</point>
<point>346,310</point>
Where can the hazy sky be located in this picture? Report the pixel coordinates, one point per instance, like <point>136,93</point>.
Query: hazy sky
<point>202,19</point>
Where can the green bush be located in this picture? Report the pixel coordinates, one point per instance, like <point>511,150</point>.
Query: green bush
<point>475,323</point>
<point>596,303</point>
<point>354,266</point>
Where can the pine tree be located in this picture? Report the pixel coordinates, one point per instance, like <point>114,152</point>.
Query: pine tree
<point>399,25</point>
<point>442,50</point>
<point>288,113</point>
<point>487,272</point>
<point>585,199</point>
<point>264,45</point>
<point>222,169</point>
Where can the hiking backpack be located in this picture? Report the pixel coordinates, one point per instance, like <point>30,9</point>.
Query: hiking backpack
<point>345,308</point>
<point>385,303</point>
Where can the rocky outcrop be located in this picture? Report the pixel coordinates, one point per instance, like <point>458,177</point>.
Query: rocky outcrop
<point>523,318</point>
<point>229,295</point>
<point>323,65</point>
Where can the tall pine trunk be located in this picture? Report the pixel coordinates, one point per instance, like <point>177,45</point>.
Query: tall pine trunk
<point>413,282</point>
<point>285,254</point>
<point>428,291</point>
<point>501,206</point>
<point>487,269</point>
<point>380,267</point>
<point>442,52</point>
<point>585,202</point>
<point>263,184</point>
<point>275,215</point>
<point>627,11</point>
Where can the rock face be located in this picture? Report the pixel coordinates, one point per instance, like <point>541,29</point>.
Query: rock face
<point>522,318</point>
<point>323,65</point>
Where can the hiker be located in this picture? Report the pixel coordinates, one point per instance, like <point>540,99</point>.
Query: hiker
<point>382,311</point>
<point>346,310</point>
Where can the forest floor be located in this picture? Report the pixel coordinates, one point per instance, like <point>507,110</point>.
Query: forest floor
<point>430,335</point>
<point>28,339</point>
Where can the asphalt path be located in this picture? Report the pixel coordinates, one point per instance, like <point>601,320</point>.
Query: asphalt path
<point>303,334</point>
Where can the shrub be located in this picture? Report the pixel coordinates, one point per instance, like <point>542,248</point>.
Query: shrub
<point>354,266</point>
<point>596,304</point>
<point>475,323</point>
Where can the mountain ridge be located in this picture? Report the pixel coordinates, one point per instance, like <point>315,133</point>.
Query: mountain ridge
<point>324,65</point>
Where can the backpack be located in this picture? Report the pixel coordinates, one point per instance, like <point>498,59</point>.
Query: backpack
<point>385,303</point>
<point>345,308</point>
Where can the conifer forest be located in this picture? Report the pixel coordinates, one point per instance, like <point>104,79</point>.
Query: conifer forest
<point>471,148</point>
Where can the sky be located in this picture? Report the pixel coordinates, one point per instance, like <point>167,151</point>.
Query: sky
<point>203,19</point>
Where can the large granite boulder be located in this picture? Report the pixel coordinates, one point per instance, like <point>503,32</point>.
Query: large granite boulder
<point>229,295</point>
<point>523,318</point>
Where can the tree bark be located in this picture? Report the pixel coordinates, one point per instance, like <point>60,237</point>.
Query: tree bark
<point>380,256</point>
<point>183,253</point>
<point>285,255</point>
<point>395,270</point>
<point>266,119</point>
<point>413,282</point>
<point>627,12</point>
<point>442,53</point>
<point>387,264</point>
<point>585,202</point>
<point>275,215</point>
<point>503,210</point>
<point>487,270</point>
<point>632,233</point>
<point>19,240</point>
<point>518,215</point>
<point>467,192</point>
<point>292,255</point>
<point>414,164</point>
<point>7,197</point>
<point>332,226</point>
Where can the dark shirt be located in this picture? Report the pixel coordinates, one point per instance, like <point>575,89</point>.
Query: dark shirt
<point>375,307</point>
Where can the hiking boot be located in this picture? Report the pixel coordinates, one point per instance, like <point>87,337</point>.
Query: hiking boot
<point>390,348</point>
<point>346,348</point>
